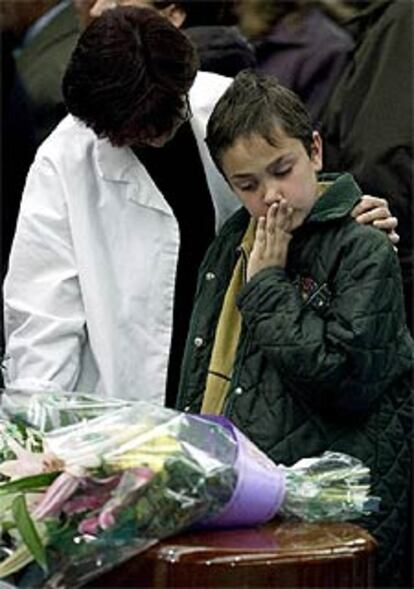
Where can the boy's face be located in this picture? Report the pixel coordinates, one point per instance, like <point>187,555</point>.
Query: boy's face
<point>261,174</point>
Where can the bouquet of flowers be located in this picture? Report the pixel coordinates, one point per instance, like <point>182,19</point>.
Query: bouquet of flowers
<point>87,483</point>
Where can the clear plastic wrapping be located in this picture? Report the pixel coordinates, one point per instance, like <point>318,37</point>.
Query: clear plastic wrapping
<point>86,483</point>
<point>331,487</point>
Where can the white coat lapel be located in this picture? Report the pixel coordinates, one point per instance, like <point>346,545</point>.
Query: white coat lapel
<point>119,164</point>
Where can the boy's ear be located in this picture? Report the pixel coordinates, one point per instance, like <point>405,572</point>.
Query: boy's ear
<point>317,151</point>
<point>175,14</point>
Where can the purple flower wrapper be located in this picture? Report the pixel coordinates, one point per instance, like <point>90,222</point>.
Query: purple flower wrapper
<point>260,488</point>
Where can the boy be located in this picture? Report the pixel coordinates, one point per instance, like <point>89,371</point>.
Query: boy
<point>298,331</point>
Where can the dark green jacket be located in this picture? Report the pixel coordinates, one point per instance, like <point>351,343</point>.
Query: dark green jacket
<point>324,359</point>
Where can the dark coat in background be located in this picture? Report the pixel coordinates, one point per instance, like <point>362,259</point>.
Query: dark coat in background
<point>324,360</point>
<point>368,128</point>
<point>307,55</point>
<point>222,49</point>
<point>17,150</point>
<point>18,144</point>
<point>41,65</point>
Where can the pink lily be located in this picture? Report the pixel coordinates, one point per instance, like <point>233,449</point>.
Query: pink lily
<point>59,491</point>
<point>89,525</point>
<point>132,480</point>
<point>28,463</point>
<point>95,493</point>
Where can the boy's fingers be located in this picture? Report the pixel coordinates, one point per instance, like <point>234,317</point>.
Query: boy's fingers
<point>284,217</point>
<point>289,218</point>
<point>271,218</point>
<point>260,240</point>
<point>281,214</point>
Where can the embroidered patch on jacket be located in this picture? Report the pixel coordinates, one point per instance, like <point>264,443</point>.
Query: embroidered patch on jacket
<point>314,294</point>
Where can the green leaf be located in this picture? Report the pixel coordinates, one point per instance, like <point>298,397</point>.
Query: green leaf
<point>28,530</point>
<point>5,504</point>
<point>15,562</point>
<point>36,482</point>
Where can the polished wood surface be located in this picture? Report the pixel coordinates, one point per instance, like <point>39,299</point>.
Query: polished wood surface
<point>275,555</point>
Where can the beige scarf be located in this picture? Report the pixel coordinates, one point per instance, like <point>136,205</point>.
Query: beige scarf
<point>227,335</point>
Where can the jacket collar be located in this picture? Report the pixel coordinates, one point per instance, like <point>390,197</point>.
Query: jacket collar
<point>340,195</point>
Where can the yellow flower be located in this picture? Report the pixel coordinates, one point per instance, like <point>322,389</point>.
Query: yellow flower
<point>152,453</point>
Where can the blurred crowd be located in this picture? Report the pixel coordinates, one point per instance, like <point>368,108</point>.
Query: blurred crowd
<point>350,62</point>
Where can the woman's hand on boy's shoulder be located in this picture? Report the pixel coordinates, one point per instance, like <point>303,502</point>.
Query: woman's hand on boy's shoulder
<point>372,210</point>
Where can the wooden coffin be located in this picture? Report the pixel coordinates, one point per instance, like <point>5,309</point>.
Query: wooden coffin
<point>275,555</point>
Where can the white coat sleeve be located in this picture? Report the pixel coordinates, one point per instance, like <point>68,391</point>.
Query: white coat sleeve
<point>44,314</point>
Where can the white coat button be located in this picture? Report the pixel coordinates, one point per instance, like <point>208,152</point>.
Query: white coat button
<point>210,276</point>
<point>238,391</point>
<point>198,342</point>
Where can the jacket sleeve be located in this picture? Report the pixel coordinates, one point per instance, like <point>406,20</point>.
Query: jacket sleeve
<point>348,356</point>
<point>44,315</point>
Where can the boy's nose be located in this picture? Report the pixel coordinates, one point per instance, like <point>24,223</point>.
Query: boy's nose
<point>272,194</point>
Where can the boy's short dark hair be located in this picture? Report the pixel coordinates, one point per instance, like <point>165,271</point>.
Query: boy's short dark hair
<point>254,104</point>
<point>129,75</point>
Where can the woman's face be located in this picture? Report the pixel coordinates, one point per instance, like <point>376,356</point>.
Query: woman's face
<point>152,140</point>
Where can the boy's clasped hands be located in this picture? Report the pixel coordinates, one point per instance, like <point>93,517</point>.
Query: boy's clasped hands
<point>273,234</point>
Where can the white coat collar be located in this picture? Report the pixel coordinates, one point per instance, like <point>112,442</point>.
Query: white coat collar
<point>119,164</point>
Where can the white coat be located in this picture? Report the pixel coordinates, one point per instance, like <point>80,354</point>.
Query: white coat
<point>90,289</point>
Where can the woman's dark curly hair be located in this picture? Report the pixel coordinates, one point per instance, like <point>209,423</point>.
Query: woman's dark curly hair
<point>129,75</point>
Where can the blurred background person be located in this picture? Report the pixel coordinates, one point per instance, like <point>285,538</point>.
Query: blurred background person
<point>369,123</point>
<point>302,42</point>
<point>38,37</point>
<point>17,149</point>
<point>83,10</point>
<point>45,33</point>
<point>18,143</point>
<point>210,25</point>
<point>221,47</point>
